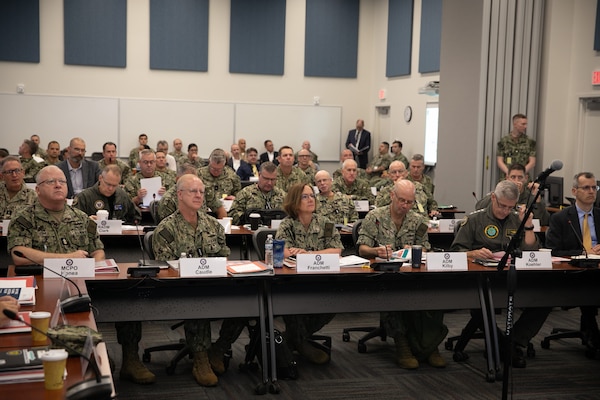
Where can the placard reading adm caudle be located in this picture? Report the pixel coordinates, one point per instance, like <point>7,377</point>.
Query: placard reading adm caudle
<point>317,263</point>
<point>203,267</point>
<point>70,267</point>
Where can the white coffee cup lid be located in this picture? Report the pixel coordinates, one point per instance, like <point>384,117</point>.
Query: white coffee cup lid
<point>254,215</point>
<point>39,314</point>
<point>54,355</point>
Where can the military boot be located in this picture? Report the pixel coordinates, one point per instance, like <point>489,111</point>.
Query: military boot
<point>436,360</point>
<point>133,370</point>
<point>215,357</point>
<point>202,370</point>
<point>404,356</point>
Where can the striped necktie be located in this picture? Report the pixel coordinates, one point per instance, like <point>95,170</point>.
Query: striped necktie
<point>587,237</point>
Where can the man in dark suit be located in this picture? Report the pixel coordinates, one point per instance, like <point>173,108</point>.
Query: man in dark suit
<point>270,154</point>
<point>80,173</point>
<point>573,226</point>
<point>359,142</point>
<point>235,161</point>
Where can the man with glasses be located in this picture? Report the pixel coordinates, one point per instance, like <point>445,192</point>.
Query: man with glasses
<point>133,186</point>
<point>569,228</point>
<point>81,173</point>
<point>516,173</point>
<point>489,230</point>
<point>333,205</point>
<point>417,334</point>
<point>306,165</point>
<point>14,194</point>
<point>189,230</point>
<point>49,228</point>
<point>219,176</point>
<point>107,195</point>
<point>263,195</point>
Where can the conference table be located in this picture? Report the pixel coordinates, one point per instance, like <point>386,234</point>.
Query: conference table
<point>49,290</point>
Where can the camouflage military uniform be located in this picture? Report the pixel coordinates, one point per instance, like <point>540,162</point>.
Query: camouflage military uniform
<point>424,330</point>
<point>125,170</point>
<point>252,197</point>
<point>481,229</point>
<point>427,183</point>
<point>296,176</point>
<point>169,202</point>
<point>227,182</point>
<point>173,236</point>
<point>539,209</point>
<point>424,204</point>
<point>516,151</point>
<point>337,209</point>
<point>381,162</point>
<point>134,157</point>
<point>320,234</point>
<point>310,174</point>
<point>360,173</point>
<point>168,178</point>
<point>132,184</point>
<point>119,206</point>
<point>180,157</point>
<point>401,157</point>
<point>35,228</point>
<point>30,168</point>
<point>8,207</point>
<point>360,189</point>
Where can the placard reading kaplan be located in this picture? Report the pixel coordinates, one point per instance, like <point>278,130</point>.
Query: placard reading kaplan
<point>203,267</point>
<point>534,260</point>
<point>317,263</point>
<point>452,261</point>
<point>110,227</point>
<point>70,267</point>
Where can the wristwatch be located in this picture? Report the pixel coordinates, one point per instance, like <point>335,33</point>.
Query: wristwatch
<point>529,228</point>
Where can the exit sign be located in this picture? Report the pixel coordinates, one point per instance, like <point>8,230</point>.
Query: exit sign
<point>596,78</point>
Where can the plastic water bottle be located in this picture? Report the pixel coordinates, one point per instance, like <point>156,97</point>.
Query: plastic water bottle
<point>269,251</point>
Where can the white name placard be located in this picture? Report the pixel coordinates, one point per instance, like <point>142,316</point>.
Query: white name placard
<point>317,263</point>
<point>534,260</point>
<point>4,226</point>
<point>203,267</point>
<point>275,223</point>
<point>447,225</point>
<point>226,224</point>
<point>109,227</point>
<point>70,267</point>
<point>449,261</point>
<point>536,225</point>
<point>361,205</point>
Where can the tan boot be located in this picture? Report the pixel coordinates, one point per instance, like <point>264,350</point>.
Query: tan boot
<point>436,360</point>
<point>312,354</point>
<point>215,357</point>
<point>404,356</point>
<point>202,371</point>
<point>133,370</point>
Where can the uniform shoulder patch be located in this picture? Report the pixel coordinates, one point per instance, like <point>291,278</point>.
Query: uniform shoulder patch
<point>165,234</point>
<point>24,222</point>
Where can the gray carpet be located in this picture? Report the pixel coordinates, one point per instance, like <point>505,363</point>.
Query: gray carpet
<point>560,372</point>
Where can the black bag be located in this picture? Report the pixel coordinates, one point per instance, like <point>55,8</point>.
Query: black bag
<point>286,364</point>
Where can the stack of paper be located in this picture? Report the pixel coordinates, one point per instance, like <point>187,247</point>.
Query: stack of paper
<point>247,268</point>
<point>21,365</point>
<point>21,288</point>
<point>17,326</point>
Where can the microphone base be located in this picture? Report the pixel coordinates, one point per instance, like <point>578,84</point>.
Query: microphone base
<point>90,390</point>
<point>76,304</point>
<point>585,262</point>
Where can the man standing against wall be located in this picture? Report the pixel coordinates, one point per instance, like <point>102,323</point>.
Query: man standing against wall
<point>359,142</point>
<point>516,147</point>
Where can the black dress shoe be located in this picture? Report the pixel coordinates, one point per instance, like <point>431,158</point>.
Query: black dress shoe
<point>518,359</point>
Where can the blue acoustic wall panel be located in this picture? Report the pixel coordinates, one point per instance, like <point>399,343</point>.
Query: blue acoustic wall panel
<point>399,38</point>
<point>96,32</point>
<point>257,37</point>
<point>331,39</point>
<point>431,36</point>
<point>179,35</point>
<point>20,30</point>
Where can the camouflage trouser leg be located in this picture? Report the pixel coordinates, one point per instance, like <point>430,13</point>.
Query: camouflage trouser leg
<point>197,334</point>
<point>231,329</point>
<point>425,330</point>
<point>129,333</point>
<point>298,328</point>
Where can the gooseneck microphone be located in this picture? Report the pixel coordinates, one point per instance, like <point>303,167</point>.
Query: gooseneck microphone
<point>555,166</point>
<point>582,262</point>
<point>98,388</point>
<point>73,304</point>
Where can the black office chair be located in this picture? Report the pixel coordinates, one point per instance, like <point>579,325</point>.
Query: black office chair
<point>371,331</point>
<point>153,207</point>
<point>97,156</point>
<point>564,333</point>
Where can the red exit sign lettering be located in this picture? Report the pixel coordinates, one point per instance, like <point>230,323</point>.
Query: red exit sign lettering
<point>596,78</point>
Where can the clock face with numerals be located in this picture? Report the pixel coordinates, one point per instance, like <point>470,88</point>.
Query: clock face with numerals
<point>408,113</point>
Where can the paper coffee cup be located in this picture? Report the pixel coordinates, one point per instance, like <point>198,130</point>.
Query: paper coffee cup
<point>54,368</point>
<point>39,320</point>
<point>101,215</point>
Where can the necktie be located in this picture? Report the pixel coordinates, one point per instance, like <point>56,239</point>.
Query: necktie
<point>254,170</point>
<point>587,237</point>
<point>357,138</point>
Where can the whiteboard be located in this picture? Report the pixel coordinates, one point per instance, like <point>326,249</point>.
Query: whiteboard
<point>291,125</point>
<point>209,125</point>
<point>59,118</point>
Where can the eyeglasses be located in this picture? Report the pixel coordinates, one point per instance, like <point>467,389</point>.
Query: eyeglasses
<point>15,171</point>
<point>589,188</point>
<point>147,162</point>
<point>193,192</point>
<point>52,182</point>
<point>308,196</point>
<point>264,178</point>
<point>404,201</point>
<point>504,206</point>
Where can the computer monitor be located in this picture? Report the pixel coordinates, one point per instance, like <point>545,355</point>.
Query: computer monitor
<point>555,186</point>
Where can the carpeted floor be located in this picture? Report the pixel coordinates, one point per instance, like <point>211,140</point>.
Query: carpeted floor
<point>561,372</point>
